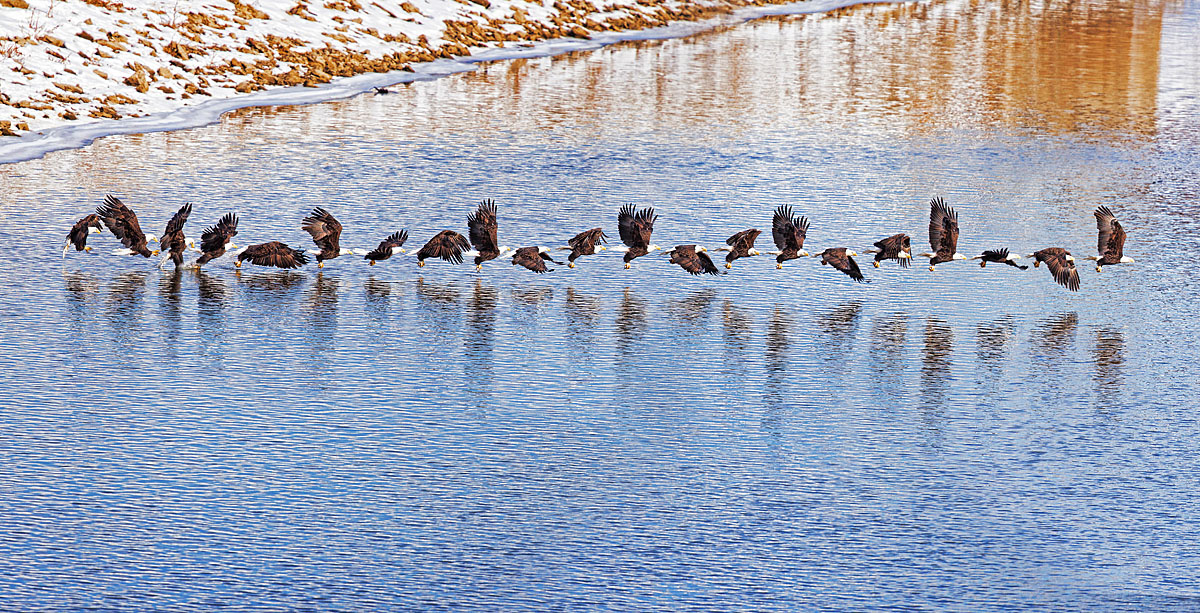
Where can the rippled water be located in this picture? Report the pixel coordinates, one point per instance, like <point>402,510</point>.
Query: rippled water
<point>400,438</point>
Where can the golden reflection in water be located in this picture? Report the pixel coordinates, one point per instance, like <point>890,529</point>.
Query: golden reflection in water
<point>1058,67</point>
<point>1085,67</point>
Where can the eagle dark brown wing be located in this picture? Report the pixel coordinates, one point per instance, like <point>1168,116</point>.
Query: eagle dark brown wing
<point>743,240</point>
<point>891,247</point>
<point>77,237</point>
<point>586,241</point>
<point>840,259</point>
<point>387,246</point>
<point>531,258</point>
<point>693,261</point>
<point>482,228</point>
<point>995,255</point>
<point>635,227</point>
<point>123,223</point>
<point>326,231</point>
<point>274,254</point>
<point>788,231</point>
<point>447,245</point>
<point>943,227</point>
<point>1063,270</point>
<point>1110,244</point>
<point>740,244</point>
<point>214,238</point>
<point>173,239</point>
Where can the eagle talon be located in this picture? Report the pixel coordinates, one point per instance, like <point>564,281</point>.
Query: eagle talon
<point>876,264</point>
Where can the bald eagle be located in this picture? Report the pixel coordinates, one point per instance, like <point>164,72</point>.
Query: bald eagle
<point>635,228</point>
<point>999,256</point>
<point>274,254</point>
<point>217,238</point>
<point>896,247</point>
<point>789,233</point>
<point>77,237</point>
<point>840,258</point>
<point>943,233</point>
<point>1111,240</point>
<point>173,240</point>
<point>447,245</point>
<point>741,245</point>
<point>533,258</point>
<point>585,243</point>
<point>326,232</point>
<point>1061,265</point>
<point>482,229</point>
<point>388,247</point>
<point>123,223</point>
<point>693,260</point>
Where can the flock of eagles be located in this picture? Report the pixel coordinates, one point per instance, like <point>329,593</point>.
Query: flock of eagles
<point>634,227</point>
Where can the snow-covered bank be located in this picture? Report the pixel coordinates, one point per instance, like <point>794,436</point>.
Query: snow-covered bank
<point>72,71</point>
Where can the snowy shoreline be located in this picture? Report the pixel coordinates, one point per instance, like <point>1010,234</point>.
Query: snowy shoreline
<point>74,64</point>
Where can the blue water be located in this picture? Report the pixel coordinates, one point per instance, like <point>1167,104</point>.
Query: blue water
<point>394,438</point>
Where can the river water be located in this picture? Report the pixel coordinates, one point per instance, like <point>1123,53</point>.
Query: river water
<point>361,438</point>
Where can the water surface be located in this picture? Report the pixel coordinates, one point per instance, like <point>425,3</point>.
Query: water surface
<point>399,438</point>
